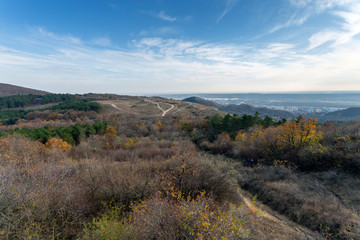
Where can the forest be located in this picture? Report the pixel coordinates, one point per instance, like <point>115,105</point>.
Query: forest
<point>76,170</point>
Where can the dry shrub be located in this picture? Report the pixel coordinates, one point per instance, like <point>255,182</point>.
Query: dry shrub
<point>39,196</point>
<point>172,216</point>
<point>106,181</point>
<point>19,150</point>
<point>192,174</point>
<point>302,198</point>
<point>152,153</point>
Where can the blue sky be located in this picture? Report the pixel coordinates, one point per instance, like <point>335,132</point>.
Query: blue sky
<point>187,46</point>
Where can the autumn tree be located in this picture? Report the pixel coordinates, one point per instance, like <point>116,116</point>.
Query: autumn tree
<point>110,137</point>
<point>298,133</point>
<point>57,143</point>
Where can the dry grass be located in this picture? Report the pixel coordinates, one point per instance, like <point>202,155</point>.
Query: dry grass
<point>304,199</point>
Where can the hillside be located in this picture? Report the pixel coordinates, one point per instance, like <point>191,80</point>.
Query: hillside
<point>203,102</point>
<point>153,168</point>
<point>9,90</point>
<point>251,110</point>
<point>242,108</point>
<point>349,114</point>
<point>156,107</point>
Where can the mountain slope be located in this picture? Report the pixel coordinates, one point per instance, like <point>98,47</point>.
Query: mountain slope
<point>203,102</point>
<point>251,110</point>
<point>242,108</point>
<point>8,90</point>
<point>349,114</point>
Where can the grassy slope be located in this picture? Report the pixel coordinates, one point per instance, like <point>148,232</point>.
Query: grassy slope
<point>8,90</point>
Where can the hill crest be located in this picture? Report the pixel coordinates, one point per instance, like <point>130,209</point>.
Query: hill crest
<point>9,90</point>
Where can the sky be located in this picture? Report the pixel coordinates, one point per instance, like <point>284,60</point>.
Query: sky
<point>187,46</point>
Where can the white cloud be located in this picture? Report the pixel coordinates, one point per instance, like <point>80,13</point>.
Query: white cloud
<point>165,17</point>
<point>66,38</point>
<point>350,27</point>
<point>305,9</point>
<point>229,5</point>
<point>170,65</point>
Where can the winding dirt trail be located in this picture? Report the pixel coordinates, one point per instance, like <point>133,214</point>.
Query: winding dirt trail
<point>291,226</point>
<point>164,111</point>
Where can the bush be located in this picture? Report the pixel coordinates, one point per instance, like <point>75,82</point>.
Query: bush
<point>303,199</point>
<point>193,174</point>
<point>172,216</point>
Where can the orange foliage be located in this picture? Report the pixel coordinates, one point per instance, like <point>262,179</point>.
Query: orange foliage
<point>225,137</point>
<point>56,143</point>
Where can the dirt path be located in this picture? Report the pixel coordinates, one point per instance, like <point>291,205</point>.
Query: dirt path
<point>164,111</point>
<point>113,105</point>
<point>279,220</point>
<point>253,207</point>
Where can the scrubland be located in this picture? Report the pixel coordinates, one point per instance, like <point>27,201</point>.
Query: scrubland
<point>177,177</point>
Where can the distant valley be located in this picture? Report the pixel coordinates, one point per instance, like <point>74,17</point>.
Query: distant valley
<point>242,109</point>
<point>348,114</point>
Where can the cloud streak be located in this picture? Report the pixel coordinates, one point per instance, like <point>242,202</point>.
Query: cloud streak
<point>168,65</point>
<point>229,5</point>
<point>162,15</point>
<point>305,9</point>
<point>350,27</point>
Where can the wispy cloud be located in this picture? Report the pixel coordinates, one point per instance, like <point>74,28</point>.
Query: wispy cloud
<point>102,41</point>
<point>350,27</point>
<point>168,18</point>
<point>66,38</point>
<point>161,15</point>
<point>229,5</point>
<point>168,65</point>
<point>305,9</point>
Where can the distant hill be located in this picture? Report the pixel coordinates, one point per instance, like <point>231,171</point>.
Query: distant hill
<point>251,110</point>
<point>349,114</point>
<point>242,108</point>
<point>9,90</point>
<point>203,102</point>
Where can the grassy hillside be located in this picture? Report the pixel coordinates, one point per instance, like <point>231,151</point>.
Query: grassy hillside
<point>9,90</point>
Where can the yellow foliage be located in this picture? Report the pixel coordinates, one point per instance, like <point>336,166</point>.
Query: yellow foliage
<point>201,217</point>
<point>130,143</point>
<point>110,130</point>
<point>257,135</point>
<point>56,143</point>
<point>240,137</point>
<point>159,124</point>
<point>299,133</point>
